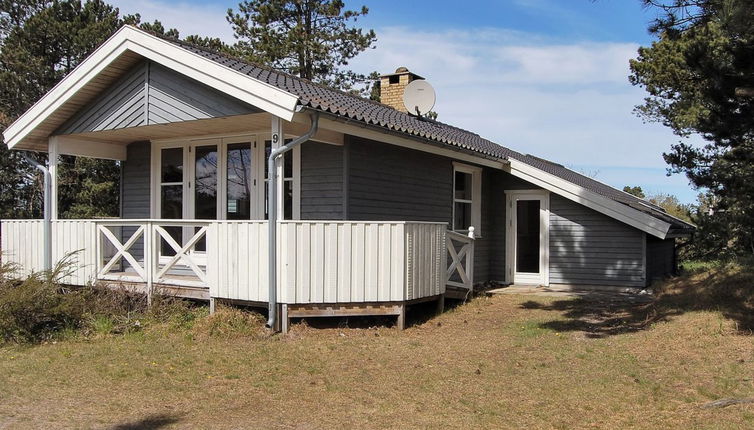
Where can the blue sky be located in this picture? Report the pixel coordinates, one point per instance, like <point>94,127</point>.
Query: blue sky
<point>545,77</point>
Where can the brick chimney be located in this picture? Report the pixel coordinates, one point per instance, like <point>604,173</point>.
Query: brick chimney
<point>392,86</point>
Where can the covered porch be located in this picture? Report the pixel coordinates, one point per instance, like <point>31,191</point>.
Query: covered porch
<point>193,223</point>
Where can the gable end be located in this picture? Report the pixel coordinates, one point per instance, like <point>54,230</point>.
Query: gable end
<point>151,94</point>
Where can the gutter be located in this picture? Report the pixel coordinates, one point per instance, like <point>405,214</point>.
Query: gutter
<point>273,215</point>
<point>47,208</point>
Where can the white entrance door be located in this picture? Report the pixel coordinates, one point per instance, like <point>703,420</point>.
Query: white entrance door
<point>528,214</point>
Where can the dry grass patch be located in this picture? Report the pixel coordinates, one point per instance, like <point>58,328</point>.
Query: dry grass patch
<point>499,362</point>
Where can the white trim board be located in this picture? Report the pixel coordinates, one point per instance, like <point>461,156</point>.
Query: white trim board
<point>236,84</point>
<point>637,219</point>
<point>89,148</point>
<point>476,198</point>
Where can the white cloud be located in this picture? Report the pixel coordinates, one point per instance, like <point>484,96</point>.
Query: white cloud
<point>189,18</point>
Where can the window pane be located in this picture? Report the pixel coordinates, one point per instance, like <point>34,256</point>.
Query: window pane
<point>172,165</point>
<point>287,159</point>
<point>527,236</point>
<point>463,186</point>
<point>205,184</point>
<point>171,202</point>
<point>171,208</point>
<point>240,181</point>
<point>287,200</point>
<point>462,219</point>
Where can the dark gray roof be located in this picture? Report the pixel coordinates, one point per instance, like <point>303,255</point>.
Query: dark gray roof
<point>351,106</point>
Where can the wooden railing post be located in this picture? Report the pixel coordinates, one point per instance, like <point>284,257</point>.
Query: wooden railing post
<point>149,263</point>
<point>470,258</point>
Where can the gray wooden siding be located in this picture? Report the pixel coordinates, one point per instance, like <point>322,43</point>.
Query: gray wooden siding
<point>660,258</point>
<point>390,183</point>
<point>120,106</point>
<point>135,181</point>
<point>174,98</point>
<point>386,182</point>
<point>135,189</point>
<point>589,248</point>
<point>322,184</point>
<point>495,227</point>
<point>151,94</point>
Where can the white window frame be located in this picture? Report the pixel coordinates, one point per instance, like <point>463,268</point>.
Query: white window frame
<point>222,141</point>
<point>511,197</point>
<point>476,198</point>
<point>262,139</point>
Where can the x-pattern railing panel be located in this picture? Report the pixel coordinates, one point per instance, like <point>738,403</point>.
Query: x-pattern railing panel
<point>182,253</point>
<point>123,250</point>
<point>461,251</point>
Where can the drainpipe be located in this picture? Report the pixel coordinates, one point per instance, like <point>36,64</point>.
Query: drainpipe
<point>272,196</point>
<point>47,207</point>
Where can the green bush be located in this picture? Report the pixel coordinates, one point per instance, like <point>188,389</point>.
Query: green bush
<point>39,306</point>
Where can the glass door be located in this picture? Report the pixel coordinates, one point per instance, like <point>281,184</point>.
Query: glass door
<point>530,223</point>
<point>171,194</point>
<point>240,180</point>
<point>203,186</point>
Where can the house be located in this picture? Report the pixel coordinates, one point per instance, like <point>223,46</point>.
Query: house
<point>377,209</point>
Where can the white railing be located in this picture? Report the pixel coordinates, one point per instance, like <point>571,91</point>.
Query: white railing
<point>331,261</point>
<point>319,261</point>
<point>140,257</point>
<point>460,272</point>
<point>72,241</point>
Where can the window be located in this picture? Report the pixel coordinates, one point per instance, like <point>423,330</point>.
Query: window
<point>467,198</point>
<point>287,179</point>
<point>219,178</point>
<point>171,194</point>
<point>240,181</point>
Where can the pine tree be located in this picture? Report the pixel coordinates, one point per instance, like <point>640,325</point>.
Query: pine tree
<point>41,41</point>
<point>699,75</point>
<point>312,39</point>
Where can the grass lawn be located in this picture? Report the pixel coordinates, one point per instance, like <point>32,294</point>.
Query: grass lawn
<point>497,362</point>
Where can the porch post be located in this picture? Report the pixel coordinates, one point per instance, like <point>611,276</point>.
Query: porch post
<point>53,153</point>
<point>278,140</point>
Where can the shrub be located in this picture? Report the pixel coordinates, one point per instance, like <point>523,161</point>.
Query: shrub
<point>39,306</point>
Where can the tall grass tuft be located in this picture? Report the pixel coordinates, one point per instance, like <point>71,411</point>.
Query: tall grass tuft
<point>41,307</point>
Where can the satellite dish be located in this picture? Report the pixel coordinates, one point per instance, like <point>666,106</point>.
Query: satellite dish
<point>419,97</point>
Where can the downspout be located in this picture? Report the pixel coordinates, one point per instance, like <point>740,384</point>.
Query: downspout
<point>272,205</point>
<point>47,207</point>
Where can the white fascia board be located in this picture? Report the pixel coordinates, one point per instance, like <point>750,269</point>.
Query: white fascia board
<point>250,90</point>
<point>354,129</point>
<point>89,148</point>
<point>592,200</point>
